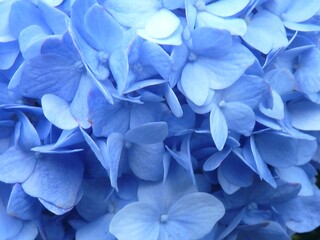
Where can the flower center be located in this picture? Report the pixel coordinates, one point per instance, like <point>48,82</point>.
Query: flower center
<point>137,68</point>
<point>163,218</point>
<point>79,66</point>
<point>103,56</point>
<point>200,5</point>
<point>192,57</point>
<point>222,103</point>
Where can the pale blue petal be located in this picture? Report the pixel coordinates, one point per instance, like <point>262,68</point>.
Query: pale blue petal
<point>96,229</point>
<point>216,159</point>
<point>173,101</point>
<point>240,118</point>
<point>146,161</point>
<point>52,177</point>
<point>5,33</point>
<point>266,32</point>
<point>136,221</point>
<point>218,127</point>
<point>132,13</point>
<point>276,111</point>
<point>196,213</point>
<point>299,11</point>
<point>148,133</point>
<point>227,8</point>
<point>16,165</point>
<point>307,76</point>
<point>236,26</point>
<point>194,82</point>
<point>28,231</point>
<point>281,80</point>
<point>144,83</point>
<point>307,26</point>
<point>305,115</point>
<point>297,175</point>
<point>162,24</point>
<point>119,67</point>
<point>227,186</point>
<point>57,111</point>
<point>53,3</point>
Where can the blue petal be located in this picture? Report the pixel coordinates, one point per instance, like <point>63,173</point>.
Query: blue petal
<point>204,46</point>
<point>50,73</point>
<point>9,52</point>
<point>53,3</point>
<point>247,90</point>
<point>297,175</point>
<point>10,226</point>
<point>22,205</point>
<point>148,133</point>
<point>119,67</point>
<point>218,127</point>
<point>107,118</point>
<point>196,213</point>
<point>216,159</point>
<point>16,165</point>
<point>173,101</point>
<point>5,33</point>
<point>146,161</point>
<point>136,221</point>
<point>95,22</point>
<point>194,82</point>
<point>57,111</point>
<point>96,229</point>
<point>52,177</point>
<point>28,135</point>
<point>112,156</point>
<point>299,11</point>
<point>266,32</point>
<point>268,143</point>
<point>29,231</point>
<point>240,118</point>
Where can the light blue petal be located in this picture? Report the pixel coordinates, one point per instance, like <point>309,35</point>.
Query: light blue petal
<point>93,146</point>
<point>136,221</point>
<point>148,133</point>
<point>54,18</point>
<point>194,82</point>
<point>311,25</point>
<point>142,84</point>
<point>305,115</point>
<point>299,11</point>
<point>173,101</point>
<point>216,159</point>
<point>308,78</point>
<point>16,165</point>
<point>153,54</point>
<point>147,112</point>
<point>191,14</point>
<point>197,213</point>
<point>53,3</point>
<point>227,8</point>
<point>297,175</point>
<point>266,32</point>
<point>132,14</point>
<point>9,52</point>
<point>24,14</point>
<point>236,26</point>
<point>52,177</point>
<point>146,161</point>
<point>227,186</point>
<point>281,80</point>
<point>96,229</point>
<point>5,33</point>
<point>28,231</point>
<point>112,156</point>
<point>218,127</point>
<point>22,205</point>
<point>247,90</point>
<point>119,67</point>
<point>277,109</point>
<point>224,71</point>
<point>57,111</point>
<point>240,118</point>
<point>103,38</point>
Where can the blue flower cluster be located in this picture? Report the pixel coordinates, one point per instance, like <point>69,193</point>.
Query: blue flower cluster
<point>159,119</point>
